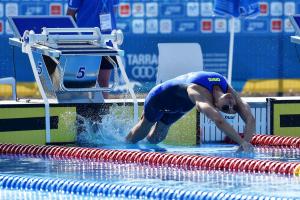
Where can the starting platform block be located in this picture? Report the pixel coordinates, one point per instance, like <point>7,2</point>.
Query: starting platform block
<point>65,59</point>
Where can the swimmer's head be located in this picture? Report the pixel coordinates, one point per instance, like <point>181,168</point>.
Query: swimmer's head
<point>227,103</point>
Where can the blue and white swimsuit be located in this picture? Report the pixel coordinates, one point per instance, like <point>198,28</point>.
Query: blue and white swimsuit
<point>169,101</point>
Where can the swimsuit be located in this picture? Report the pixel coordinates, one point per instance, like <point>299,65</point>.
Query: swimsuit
<point>169,101</point>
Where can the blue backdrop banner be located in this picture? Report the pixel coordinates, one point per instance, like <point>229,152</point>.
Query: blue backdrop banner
<point>262,45</point>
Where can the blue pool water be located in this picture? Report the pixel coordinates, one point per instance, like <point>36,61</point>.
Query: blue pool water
<point>269,185</point>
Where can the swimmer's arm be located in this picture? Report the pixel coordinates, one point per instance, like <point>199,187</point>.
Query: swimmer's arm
<point>245,113</point>
<point>220,122</point>
<point>204,106</point>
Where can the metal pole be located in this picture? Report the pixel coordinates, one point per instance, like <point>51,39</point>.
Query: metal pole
<point>231,47</point>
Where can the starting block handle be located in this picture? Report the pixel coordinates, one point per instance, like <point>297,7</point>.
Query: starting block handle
<point>115,36</point>
<point>94,30</point>
<point>48,35</point>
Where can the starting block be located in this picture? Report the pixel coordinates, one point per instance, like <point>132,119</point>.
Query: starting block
<point>65,59</point>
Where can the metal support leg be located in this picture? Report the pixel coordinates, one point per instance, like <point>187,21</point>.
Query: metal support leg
<point>27,49</point>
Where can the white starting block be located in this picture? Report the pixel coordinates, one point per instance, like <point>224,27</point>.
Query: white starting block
<point>65,59</point>
<point>76,52</point>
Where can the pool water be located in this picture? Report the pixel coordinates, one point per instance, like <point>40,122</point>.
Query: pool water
<point>7,194</point>
<point>269,185</point>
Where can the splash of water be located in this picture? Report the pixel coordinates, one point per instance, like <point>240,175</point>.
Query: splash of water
<point>111,130</point>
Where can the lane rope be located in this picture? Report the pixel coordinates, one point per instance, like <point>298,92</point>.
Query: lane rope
<point>98,189</point>
<point>271,141</point>
<point>190,162</point>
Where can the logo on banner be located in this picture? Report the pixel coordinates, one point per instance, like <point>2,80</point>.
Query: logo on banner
<point>138,10</point>
<point>192,9</point>
<point>55,9</point>
<point>1,27</point>
<point>124,10</point>
<point>289,8</point>
<point>1,10</point>
<point>206,9</point>
<point>152,9</point>
<point>186,26</point>
<point>138,26</point>
<point>165,26</point>
<point>220,26</point>
<point>206,26</point>
<point>11,9</point>
<point>256,26</point>
<point>276,25</point>
<point>143,65</point>
<point>237,25</point>
<point>169,10</point>
<point>152,26</point>
<point>288,27</point>
<point>143,72</point>
<point>264,8</point>
<point>276,9</point>
<point>32,9</point>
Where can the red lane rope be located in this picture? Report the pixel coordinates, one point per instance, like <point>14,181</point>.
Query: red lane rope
<point>272,140</point>
<point>155,159</point>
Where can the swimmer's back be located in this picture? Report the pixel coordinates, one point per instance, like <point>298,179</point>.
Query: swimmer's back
<point>202,78</point>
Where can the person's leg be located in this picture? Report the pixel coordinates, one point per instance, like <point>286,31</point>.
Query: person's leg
<point>150,116</point>
<point>140,130</point>
<point>158,133</point>
<point>50,64</point>
<point>53,70</point>
<point>103,80</point>
<point>104,73</point>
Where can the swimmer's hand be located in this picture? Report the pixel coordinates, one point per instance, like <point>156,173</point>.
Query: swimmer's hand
<point>246,147</point>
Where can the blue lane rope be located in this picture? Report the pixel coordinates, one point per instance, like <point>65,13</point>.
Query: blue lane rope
<point>115,190</point>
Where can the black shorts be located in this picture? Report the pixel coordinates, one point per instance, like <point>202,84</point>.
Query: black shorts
<point>105,64</point>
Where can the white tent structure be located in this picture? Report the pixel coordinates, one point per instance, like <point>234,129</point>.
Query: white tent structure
<point>176,59</point>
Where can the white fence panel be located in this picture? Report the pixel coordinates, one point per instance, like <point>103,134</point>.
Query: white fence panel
<point>210,133</point>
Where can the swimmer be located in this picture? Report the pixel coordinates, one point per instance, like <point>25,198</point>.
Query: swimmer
<point>208,91</point>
